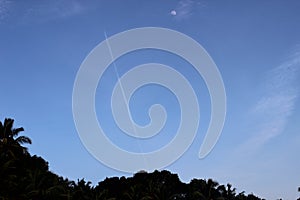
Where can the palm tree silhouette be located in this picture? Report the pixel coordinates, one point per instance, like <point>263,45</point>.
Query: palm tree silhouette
<point>10,142</point>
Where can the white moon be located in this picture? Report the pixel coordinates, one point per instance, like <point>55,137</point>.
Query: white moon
<point>173,12</point>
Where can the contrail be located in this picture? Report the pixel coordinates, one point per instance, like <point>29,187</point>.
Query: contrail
<point>123,94</point>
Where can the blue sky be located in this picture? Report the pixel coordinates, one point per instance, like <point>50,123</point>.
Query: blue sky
<point>255,44</point>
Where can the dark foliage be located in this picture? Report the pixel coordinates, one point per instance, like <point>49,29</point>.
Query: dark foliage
<point>23,176</point>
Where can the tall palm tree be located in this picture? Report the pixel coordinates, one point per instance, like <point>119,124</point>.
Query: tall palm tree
<point>10,142</point>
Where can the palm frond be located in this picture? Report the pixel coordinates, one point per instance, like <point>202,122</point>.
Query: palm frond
<point>23,140</point>
<point>16,131</point>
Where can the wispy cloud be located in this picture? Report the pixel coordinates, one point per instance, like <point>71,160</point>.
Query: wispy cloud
<point>4,8</point>
<point>278,102</point>
<point>185,9</point>
<point>44,10</point>
<point>41,11</point>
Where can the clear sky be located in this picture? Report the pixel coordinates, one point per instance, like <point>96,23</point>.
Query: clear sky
<point>255,44</point>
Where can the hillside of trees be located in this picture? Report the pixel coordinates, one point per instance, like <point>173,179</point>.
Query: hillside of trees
<point>23,176</point>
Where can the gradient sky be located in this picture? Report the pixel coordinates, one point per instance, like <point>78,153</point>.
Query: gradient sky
<point>255,44</point>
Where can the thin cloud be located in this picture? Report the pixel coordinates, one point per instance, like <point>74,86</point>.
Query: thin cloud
<point>278,103</point>
<point>184,9</point>
<point>4,9</point>
<point>45,11</point>
<point>41,11</point>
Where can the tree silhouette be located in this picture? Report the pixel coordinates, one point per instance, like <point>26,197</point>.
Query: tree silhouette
<point>82,190</point>
<point>230,193</point>
<point>10,142</point>
<point>23,176</point>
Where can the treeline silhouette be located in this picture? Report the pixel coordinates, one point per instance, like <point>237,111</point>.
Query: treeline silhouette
<point>23,176</point>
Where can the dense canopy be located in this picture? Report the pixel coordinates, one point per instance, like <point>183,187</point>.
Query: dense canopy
<point>23,176</point>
